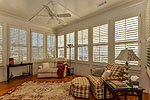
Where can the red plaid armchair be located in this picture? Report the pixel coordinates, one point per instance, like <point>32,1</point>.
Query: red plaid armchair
<point>97,85</point>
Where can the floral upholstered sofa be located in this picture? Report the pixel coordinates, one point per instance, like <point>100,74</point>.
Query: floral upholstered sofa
<point>96,82</point>
<point>53,67</point>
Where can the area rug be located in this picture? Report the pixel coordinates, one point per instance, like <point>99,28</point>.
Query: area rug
<point>35,90</point>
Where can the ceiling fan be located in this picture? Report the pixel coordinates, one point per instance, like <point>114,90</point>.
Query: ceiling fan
<point>55,16</point>
<point>52,14</point>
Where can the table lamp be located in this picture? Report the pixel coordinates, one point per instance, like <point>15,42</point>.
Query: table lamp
<point>127,55</point>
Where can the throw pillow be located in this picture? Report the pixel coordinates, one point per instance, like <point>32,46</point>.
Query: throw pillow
<point>106,73</point>
<point>98,71</point>
<point>45,65</point>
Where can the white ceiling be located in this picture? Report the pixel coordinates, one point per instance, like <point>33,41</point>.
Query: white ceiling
<point>79,9</point>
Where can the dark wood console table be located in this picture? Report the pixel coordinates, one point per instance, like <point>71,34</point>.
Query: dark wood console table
<point>29,65</point>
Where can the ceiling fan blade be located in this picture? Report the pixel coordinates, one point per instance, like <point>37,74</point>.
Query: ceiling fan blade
<point>43,15</point>
<point>49,11</point>
<point>60,21</point>
<point>64,15</point>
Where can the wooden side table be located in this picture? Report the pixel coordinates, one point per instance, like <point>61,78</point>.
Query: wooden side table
<point>70,70</point>
<point>117,92</point>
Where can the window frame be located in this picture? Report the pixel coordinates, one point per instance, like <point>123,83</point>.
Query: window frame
<point>100,43</point>
<point>73,47</point>
<point>48,34</point>
<point>61,47</point>
<point>83,45</point>
<point>19,28</point>
<point>37,60</point>
<point>125,42</point>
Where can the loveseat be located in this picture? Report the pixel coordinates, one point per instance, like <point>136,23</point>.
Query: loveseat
<point>53,67</point>
<point>96,82</point>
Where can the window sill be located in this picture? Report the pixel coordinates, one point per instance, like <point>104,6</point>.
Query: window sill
<point>99,63</point>
<point>83,62</point>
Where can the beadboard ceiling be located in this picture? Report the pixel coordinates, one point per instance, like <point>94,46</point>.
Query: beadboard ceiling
<point>79,9</point>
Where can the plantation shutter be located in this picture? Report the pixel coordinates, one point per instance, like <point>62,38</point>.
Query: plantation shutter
<point>83,45</point>
<point>126,36</point>
<point>61,46</point>
<point>70,40</point>
<point>61,41</point>
<point>51,46</point>
<point>37,46</point>
<point>83,37</point>
<point>147,27</point>
<point>1,44</point>
<point>18,45</point>
<point>100,43</point>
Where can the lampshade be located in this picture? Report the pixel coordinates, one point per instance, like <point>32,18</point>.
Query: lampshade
<point>127,55</point>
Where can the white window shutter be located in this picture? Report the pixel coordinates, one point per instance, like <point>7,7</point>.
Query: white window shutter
<point>126,36</point>
<point>100,43</point>
<point>37,46</point>
<point>70,40</point>
<point>18,44</point>
<point>83,45</point>
<point>51,45</point>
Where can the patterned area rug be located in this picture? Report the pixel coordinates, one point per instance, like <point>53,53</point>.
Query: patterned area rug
<point>34,90</point>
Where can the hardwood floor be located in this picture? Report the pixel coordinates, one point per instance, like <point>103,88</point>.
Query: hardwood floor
<point>4,87</point>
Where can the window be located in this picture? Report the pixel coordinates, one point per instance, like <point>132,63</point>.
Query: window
<point>51,45</point>
<point>126,36</point>
<point>61,46</point>
<point>37,46</point>
<point>100,43</point>
<point>1,44</point>
<point>18,44</point>
<point>70,40</point>
<point>83,45</point>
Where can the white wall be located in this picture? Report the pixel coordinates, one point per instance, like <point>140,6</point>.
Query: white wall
<point>6,21</point>
<point>129,10</point>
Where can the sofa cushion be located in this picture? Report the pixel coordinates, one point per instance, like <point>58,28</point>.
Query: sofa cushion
<point>52,65</point>
<point>45,65</point>
<point>50,70</point>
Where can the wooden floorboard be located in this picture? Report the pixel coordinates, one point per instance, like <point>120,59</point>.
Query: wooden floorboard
<point>4,87</point>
